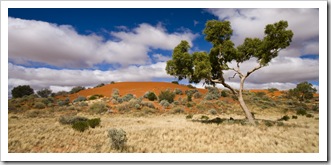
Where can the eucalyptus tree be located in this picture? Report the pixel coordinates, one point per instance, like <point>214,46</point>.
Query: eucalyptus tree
<point>210,67</point>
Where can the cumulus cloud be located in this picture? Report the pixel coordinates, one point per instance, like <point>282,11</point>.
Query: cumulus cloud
<point>39,78</point>
<point>62,46</point>
<point>251,23</point>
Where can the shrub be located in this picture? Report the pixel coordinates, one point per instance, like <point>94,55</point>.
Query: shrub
<point>167,95</point>
<point>285,118</point>
<point>98,107</point>
<point>272,90</point>
<point>309,115</point>
<point>99,85</point>
<point>115,92</point>
<point>117,138</point>
<point>165,103</point>
<point>137,106</point>
<point>76,89</point>
<point>224,93</point>
<point>191,91</point>
<point>301,112</point>
<point>64,102</point>
<point>190,86</point>
<point>189,116</point>
<point>94,122</point>
<point>150,96</point>
<point>189,98</point>
<point>147,104</point>
<point>174,82</point>
<point>21,90</point>
<point>39,105</point>
<point>71,119</point>
<point>294,117</point>
<point>212,112</point>
<point>83,104</point>
<point>176,103</point>
<point>189,104</point>
<point>178,91</point>
<point>213,93</point>
<point>134,102</point>
<point>203,117</point>
<point>80,126</point>
<point>123,107</point>
<point>112,82</point>
<point>44,93</point>
<point>177,110</point>
<point>80,98</point>
<point>208,97</point>
<point>197,95</point>
<point>268,123</point>
<point>127,97</point>
<point>260,94</point>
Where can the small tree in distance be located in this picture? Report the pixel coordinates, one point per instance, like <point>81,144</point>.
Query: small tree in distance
<point>210,68</point>
<point>21,90</point>
<point>303,91</point>
<point>44,93</point>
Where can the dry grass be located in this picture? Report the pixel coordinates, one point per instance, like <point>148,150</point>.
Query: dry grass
<point>162,133</point>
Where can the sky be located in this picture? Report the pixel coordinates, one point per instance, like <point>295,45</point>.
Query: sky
<point>62,48</point>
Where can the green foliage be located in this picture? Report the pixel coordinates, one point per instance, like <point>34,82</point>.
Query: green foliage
<point>203,117</point>
<point>189,116</point>
<point>21,90</point>
<point>197,95</point>
<point>71,119</point>
<point>39,105</point>
<point>147,104</point>
<point>80,98</point>
<point>127,97</point>
<point>303,91</point>
<point>260,94</point>
<point>174,82</point>
<point>166,95</point>
<point>268,123</point>
<point>80,126</point>
<point>178,91</point>
<point>284,118</point>
<point>99,85</point>
<point>309,115</point>
<point>64,102</point>
<point>224,93</point>
<point>112,82</point>
<point>150,96</point>
<point>94,122</point>
<point>294,117</point>
<point>98,107</point>
<point>44,93</point>
<point>118,138</point>
<point>189,98</point>
<point>177,110</point>
<point>212,112</point>
<point>61,93</point>
<point>165,103</point>
<point>191,91</point>
<point>272,90</point>
<point>302,112</point>
<point>76,89</point>
<point>191,86</point>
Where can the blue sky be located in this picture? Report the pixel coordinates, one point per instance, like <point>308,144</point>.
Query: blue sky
<point>62,48</point>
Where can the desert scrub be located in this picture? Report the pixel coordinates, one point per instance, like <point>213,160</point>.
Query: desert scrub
<point>127,97</point>
<point>98,107</point>
<point>64,102</point>
<point>212,112</point>
<point>164,103</point>
<point>117,138</point>
<point>39,105</point>
<point>147,104</point>
<point>191,91</point>
<point>80,126</point>
<point>189,116</point>
<point>150,96</point>
<point>197,95</point>
<point>285,118</point>
<point>79,99</point>
<point>167,95</point>
<point>178,91</point>
<point>177,110</point>
<point>71,119</point>
<point>94,122</point>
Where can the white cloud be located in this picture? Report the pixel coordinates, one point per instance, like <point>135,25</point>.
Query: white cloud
<point>251,23</point>
<point>61,45</point>
<point>160,57</point>
<point>39,78</point>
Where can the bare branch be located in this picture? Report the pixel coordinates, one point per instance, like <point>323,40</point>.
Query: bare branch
<point>232,76</point>
<point>253,70</point>
<point>222,81</point>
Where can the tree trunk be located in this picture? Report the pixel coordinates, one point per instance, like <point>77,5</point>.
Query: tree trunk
<point>242,102</point>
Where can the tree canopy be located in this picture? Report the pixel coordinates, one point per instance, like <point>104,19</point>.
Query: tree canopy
<point>21,90</point>
<point>303,91</point>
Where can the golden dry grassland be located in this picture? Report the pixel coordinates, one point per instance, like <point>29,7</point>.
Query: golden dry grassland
<point>162,133</point>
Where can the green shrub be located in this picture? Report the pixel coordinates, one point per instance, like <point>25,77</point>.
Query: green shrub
<point>150,96</point>
<point>178,91</point>
<point>115,92</point>
<point>39,105</point>
<point>302,112</point>
<point>94,122</point>
<point>315,107</point>
<point>76,89</point>
<point>294,117</point>
<point>268,123</point>
<point>166,95</point>
<point>165,103</point>
<point>112,82</point>
<point>147,104</point>
<point>127,97</point>
<point>213,93</point>
<point>118,138</point>
<point>285,118</point>
<point>176,103</point>
<point>174,82</point>
<point>99,85</point>
<point>197,95</point>
<point>272,90</point>
<point>64,102</point>
<point>177,110</point>
<point>208,97</point>
<point>137,106</point>
<point>191,92</point>
<point>22,90</point>
<point>98,107</point>
<point>123,107</point>
<point>80,126</point>
<point>224,93</point>
<point>189,98</point>
<point>80,98</point>
<point>309,115</point>
<point>44,93</point>
<point>71,119</point>
<point>189,116</point>
<point>203,117</point>
<point>212,112</point>
<point>191,86</point>
<point>189,104</point>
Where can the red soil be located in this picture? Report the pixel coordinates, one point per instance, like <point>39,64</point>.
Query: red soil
<point>138,89</point>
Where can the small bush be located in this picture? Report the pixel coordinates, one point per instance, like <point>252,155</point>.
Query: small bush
<point>71,119</point>
<point>98,107</point>
<point>112,82</point>
<point>302,112</point>
<point>76,89</point>
<point>127,97</point>
<point>167,95</point>
<point>294,117</point>
<point>189,98</point>
<point>197,95</point>
<point>165,103</point>
<point>115,92</point>
<point>191,86</point>
<point>99,85</point>
<point>191,92</point>
<point>224,93</point>
<point>189,104</point>
<point>137,106</point>
<point>147,104</point>
<point>117,138</point>
<point>64,102</point>
<point>150,96</point>
<point>212,112</point>
<point>189,116</point>
<point>309,115</point>
<point>260,94</point>
<point>268,123</point>
<point>204,117</point>
<point>80,126</point>
<point>123,107</point>
<point>44,93</point>
<point>178,91</point>
<point>177,110</point>
<point>208,97</point>
<point>94,122</point>
<point>39,105</point>
<point>285,118</point>
<point>174,82</point>
<point>80,98</point>
<point>272,90</point>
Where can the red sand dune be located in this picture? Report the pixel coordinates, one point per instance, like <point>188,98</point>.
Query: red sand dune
<point>136,88</point>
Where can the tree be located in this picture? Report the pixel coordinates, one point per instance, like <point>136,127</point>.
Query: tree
<point>44,93</point>
<point>21,90</point>
<point>210,68</point>
<point>76,89</point>
<point>303,91</point>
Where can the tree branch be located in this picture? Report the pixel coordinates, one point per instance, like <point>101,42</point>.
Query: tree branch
<point>233,76</point>
<point>253,70</point>
<point>222,81</point>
